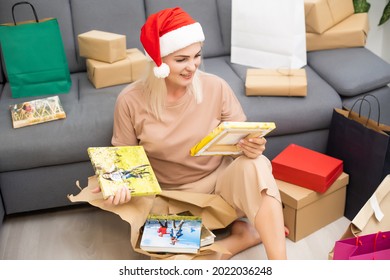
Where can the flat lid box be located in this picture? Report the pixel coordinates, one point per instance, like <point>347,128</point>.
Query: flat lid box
<point>306,168</point>
<point>306,211</point>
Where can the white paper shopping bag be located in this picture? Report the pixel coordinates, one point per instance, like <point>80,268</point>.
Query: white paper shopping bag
<point>268,34</point>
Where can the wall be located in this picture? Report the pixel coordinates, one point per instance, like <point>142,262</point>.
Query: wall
<point>378,40</point>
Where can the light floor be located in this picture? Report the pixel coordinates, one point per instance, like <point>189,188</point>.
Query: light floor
<point>88,233</point>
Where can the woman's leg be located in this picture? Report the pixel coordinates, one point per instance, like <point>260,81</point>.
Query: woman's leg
<point>248,185</point>
<point>269,223</point>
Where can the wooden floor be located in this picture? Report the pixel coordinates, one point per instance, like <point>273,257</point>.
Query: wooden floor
<point>88,233</point>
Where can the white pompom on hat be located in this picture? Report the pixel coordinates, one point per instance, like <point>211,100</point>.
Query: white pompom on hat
<point>167,31</point>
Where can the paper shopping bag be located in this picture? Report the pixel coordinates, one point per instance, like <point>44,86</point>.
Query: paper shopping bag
<point>268,34</point>
<point>373,217</point>
<point>214,211</point>
<point>34,56</point>
<point>363,145</point>
<point>375,246</point>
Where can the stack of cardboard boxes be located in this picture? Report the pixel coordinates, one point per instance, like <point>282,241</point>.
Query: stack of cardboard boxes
<point>333,24</point>
<point>312,187</point>
<point>108,61</point>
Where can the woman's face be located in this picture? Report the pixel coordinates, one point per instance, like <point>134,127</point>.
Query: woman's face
<point>183,64</point>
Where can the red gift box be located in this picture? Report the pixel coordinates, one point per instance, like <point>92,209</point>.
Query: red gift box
<point>306,168</point>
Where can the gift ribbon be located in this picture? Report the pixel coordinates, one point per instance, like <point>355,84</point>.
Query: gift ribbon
<point>289,74</point>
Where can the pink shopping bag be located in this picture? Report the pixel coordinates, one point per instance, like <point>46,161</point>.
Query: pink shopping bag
<point>375,246</point>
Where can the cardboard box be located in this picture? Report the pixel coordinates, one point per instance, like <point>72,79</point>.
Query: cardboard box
<point>306,168</point>
<point>103,46</point>
<point>276,82</point>
<point>130,69</point>
<point>320,15</point>
<point>306,211</point>
<point>351,32</point>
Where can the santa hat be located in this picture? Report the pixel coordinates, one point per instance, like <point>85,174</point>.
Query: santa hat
<point>166,32</point>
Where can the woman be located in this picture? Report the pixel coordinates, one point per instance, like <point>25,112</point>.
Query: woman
<point>173,108</point>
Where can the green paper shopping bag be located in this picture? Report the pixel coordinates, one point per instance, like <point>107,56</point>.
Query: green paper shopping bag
<point>34,56</point>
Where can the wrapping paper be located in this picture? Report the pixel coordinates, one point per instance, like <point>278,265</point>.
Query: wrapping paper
<point>103,46</point>
<point>351,32</point>
<point>215,213</point>
<point>320,15</point>
<point>276,82</point>
<point>130,69</point>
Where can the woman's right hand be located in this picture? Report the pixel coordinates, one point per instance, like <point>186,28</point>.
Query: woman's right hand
<point>122,196</point>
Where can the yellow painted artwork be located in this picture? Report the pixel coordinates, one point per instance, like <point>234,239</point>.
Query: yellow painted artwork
<point>224,138</point>
<point>121,166</point>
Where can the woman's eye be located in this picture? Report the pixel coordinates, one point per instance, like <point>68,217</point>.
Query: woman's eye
<point>180,60</point>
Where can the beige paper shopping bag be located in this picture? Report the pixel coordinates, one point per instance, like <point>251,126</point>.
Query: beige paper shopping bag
<point>374,216</point>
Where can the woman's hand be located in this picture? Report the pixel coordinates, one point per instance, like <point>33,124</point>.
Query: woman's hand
<point>252,147</point>
<point>122,196</point>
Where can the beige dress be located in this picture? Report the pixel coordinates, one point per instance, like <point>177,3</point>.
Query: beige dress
<point>184,123</point>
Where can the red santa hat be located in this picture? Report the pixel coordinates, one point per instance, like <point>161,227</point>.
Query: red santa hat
<point>166,32</point>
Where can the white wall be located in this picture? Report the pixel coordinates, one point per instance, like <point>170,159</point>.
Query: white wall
<point>378,39</point>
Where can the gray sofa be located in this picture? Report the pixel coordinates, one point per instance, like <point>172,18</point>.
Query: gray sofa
<point>40,164</point>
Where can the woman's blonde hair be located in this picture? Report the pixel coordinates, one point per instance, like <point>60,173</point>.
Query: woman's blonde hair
<point>155,90</point>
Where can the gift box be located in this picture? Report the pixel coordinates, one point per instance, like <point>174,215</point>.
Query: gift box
<point>103,46</point>
<point>320,15</point>
<point>351,32</point>
<point>306,211</point>
<point>276,82</point>
<point>306,168</point>
<point>102,74</point>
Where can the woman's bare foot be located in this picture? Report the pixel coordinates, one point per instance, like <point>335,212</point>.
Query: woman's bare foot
<point>242,236</point>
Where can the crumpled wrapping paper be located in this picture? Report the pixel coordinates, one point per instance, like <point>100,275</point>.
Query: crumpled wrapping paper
<point>215,212</point>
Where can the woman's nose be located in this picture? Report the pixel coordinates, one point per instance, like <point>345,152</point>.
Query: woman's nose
<point>191,65</point>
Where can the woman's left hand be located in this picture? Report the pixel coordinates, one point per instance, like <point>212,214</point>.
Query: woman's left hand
<point>252,147</point>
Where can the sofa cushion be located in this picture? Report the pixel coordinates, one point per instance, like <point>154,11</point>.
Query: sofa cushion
<point>351,71</point>
<point>89,118</point>
<point>204,11</point>
<point>291,114</point>
<point>62,12</point>
<point>383,96</point>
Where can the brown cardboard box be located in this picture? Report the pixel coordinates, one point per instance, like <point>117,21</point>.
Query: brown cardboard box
<point>103,46</point>
<point>102,74</point>
<point>276,82</point>
<point>351,32</point>
<point>320,15</point>
<point>306,211</point>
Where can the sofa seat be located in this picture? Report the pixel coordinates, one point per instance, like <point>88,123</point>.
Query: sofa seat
<point>291,114</point>
<point>87,109</point>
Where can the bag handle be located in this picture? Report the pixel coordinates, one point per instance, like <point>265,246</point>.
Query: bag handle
<point>383,236</point>
<point>369,111</point>
<point>21,3</point>
<point>353,105</point>
<point>377,102</point>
